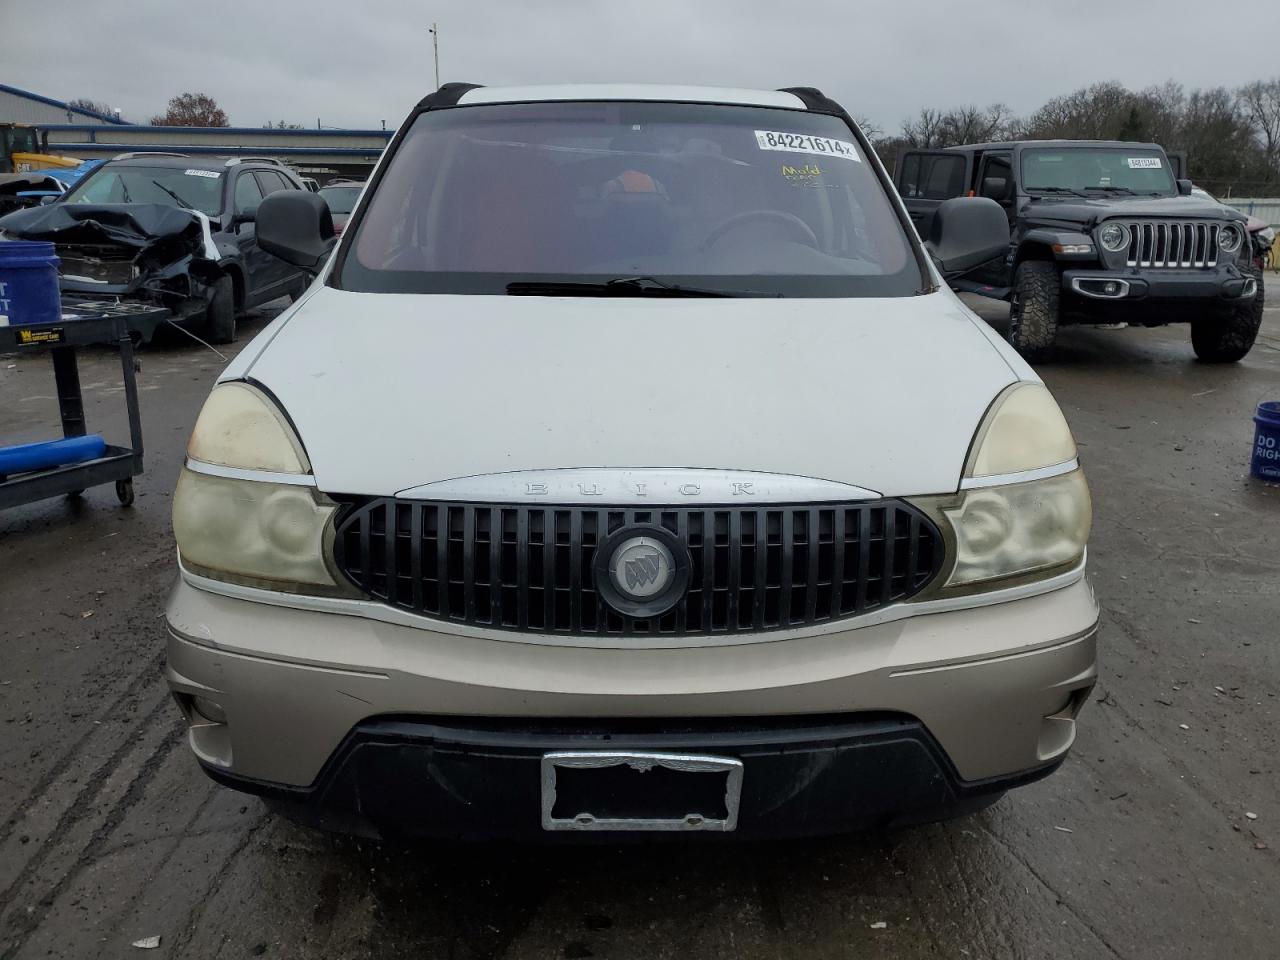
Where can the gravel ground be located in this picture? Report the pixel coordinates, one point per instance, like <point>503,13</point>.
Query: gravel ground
<point>1141,846</point>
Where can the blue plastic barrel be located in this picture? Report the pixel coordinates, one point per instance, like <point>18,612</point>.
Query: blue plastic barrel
<point>28,283</point>
<point>26,457</point>
<point>1266,442</point>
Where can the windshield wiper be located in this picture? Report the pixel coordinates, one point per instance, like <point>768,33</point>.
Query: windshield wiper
<point>1075,193</point>
<point>621,287</point>
<point>182,203</point>
<point>1111,189</point>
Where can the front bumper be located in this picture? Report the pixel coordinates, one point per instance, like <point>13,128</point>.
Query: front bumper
<point>1131,285</point>
<point>973,697</point>
<point>395,778</point>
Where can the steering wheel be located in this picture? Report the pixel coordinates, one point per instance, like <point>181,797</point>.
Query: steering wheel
<point>799,229</point>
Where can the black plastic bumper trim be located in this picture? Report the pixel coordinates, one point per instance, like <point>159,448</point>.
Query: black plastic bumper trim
<point>465,779</point>
<point>1171,284</point>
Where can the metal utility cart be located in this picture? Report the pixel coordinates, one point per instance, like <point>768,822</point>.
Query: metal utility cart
<point>84,324</point>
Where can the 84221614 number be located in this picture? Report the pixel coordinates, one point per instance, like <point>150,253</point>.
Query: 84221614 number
<point>806,143</point>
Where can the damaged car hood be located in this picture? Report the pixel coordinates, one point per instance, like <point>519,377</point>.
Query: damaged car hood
<point>392,391</point>
<point>136,225</point>
<point>117,248</point>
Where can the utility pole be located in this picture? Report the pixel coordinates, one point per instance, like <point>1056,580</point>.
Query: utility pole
<point>435,50</point>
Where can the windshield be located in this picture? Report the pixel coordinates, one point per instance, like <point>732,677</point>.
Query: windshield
<point>1102,169</point>
<point>340,199</point>
<point>746,200</point>
<point>19,140</point>
<point>171,186</point>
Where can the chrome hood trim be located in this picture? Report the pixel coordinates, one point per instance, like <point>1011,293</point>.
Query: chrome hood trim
<point>638,486</point>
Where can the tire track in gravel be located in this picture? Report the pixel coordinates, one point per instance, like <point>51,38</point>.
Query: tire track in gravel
<point>1060,897</point>
<point>144,769</point>
<point>200,907</point>
<point>150,674</point>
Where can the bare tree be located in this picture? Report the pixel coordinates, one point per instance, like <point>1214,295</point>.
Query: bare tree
<point>1260,103</point>
<point>192,110</point>
<point>282,125</point>
<point>925,131</point>
<point>972,124</point>
<point>1091,113</point>
<point>870,129</point>
<point>93,106</point>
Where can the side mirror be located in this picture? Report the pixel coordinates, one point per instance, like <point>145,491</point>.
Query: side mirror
<point>966,232</point>
<point>45,201</point>
<point>1185,187</point>
<point>297,227</point>
<point>249,215</point>
<point>995,188</point>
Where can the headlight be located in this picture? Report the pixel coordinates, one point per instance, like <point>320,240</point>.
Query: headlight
<point>1015,533</point>
<point>1229,238</point>
<point>1113,237</point>
<point>1004,527</point>
<point>1023,430</point>
<point>260,530</point>
<point>239,426</point>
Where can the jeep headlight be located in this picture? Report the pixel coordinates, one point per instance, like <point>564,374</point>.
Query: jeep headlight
<point>1114,237</point>
<point>1229,238</point>
<point>1023,512</point>
<point>245,510</point>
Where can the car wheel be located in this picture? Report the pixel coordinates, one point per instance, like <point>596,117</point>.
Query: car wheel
<point>1033,314</point>
<point>220,318</point>
<point>1227,338</point>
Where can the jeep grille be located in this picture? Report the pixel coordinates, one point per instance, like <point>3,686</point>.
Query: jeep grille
<point>1168,243</point>
<point>529,568</point>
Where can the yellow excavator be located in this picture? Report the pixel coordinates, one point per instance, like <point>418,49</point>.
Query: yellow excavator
<point>25,149</point>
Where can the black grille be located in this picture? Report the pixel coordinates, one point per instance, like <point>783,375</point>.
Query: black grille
<point>529,568</point>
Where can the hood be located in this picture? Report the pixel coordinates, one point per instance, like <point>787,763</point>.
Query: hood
<point>122,224</point>
<point>1090,211</point>
<point>392,391</point>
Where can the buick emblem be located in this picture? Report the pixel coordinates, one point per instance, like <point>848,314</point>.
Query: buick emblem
<point>642,571</point>
<point>641,567</point>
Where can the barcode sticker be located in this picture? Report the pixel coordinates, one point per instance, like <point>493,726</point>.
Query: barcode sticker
<point>1144,163</point>
<point>806,143</point>
<point>211,174</point>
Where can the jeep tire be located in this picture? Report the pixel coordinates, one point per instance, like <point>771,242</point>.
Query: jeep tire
<point>1227,337</point>
<point>1033,312</point>
<point>220,317</point>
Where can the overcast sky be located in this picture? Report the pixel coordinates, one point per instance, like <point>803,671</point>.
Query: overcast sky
<point>285,60</point>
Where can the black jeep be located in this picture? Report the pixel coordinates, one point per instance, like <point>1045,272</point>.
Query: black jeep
<point>1100,232</point>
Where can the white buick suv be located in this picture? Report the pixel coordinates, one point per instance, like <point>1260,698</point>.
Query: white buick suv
<point>629,466</point>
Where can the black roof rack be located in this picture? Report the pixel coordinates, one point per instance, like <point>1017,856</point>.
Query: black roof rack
<point>447,96</point>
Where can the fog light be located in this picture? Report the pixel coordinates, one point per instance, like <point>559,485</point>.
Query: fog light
<point>1100,287</point>
<point>208,710</point>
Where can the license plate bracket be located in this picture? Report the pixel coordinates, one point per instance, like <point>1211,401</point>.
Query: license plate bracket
<point>635,791</point>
